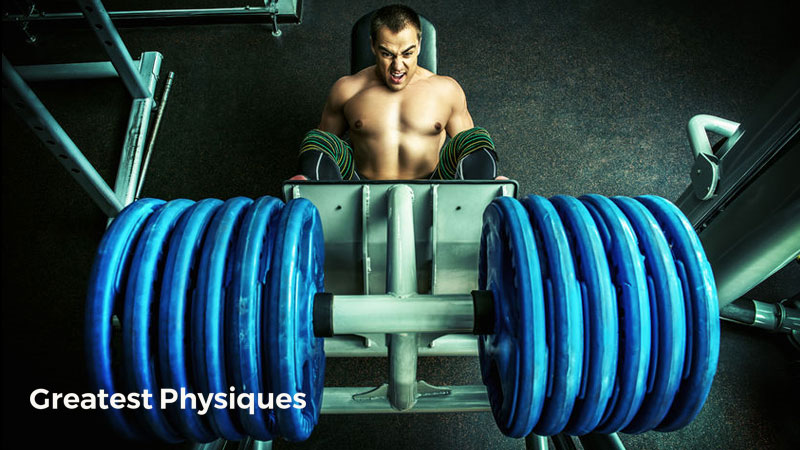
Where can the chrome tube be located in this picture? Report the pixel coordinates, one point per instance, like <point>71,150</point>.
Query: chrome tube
<point>401,280</point>
<point>359,314</point>
<point>130,163</point>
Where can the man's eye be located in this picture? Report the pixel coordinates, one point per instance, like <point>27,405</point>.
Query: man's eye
<point>408,54</point>
<point>386,55</point>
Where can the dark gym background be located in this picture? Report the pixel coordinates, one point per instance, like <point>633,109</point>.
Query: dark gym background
<point>580,97</point>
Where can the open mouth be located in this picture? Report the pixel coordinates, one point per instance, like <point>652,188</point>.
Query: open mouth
<point>397,77</point>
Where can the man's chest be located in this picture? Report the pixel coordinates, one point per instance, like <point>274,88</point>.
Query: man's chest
<point>376,111</point>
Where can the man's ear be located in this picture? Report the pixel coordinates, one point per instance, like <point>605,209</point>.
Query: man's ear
<point>371,45</point>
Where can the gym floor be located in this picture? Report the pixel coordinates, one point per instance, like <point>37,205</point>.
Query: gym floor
<point>584,97</point>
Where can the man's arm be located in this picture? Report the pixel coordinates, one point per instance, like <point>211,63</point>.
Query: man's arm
<point>333,120</point>
<point>460,119</point>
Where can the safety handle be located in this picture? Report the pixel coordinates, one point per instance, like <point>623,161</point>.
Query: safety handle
<point>705,170</point>
<point>701,124</point>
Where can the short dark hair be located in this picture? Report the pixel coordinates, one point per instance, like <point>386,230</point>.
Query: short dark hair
<point>395,18</point>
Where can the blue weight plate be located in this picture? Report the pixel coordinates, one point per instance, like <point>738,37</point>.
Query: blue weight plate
<point>514,358</point>
<point>208,314</point>
<point>600,321</point>
<point>668,317</point>
<point>248,289</point>
<point>107,283</point>
<point>702,312</point>
<point>633,304</point>
<point>177,292</point>
<point>141,305</point>
<point>564,310</point>
<point>296,357</point>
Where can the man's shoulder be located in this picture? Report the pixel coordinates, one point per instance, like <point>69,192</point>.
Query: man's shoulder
<point>350,85</point>
<point>441,81</point>
<point>447,85</point>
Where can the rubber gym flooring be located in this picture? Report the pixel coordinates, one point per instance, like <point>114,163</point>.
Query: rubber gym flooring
<point>580,97</point>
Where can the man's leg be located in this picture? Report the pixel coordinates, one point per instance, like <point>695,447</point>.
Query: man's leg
<point>470,155</point>
<point>325,156</point>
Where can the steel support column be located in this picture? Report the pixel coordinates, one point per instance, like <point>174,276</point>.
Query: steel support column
<point>47,129</point>
<point>401,280</point>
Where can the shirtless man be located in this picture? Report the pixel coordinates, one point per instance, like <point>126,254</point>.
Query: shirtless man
<point>398,115</point>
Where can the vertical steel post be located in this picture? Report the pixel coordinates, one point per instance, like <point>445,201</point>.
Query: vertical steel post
<point>47,129</point>
<point>151,144</point>
<point>365,257</point>
<point>401,260</point>
<point>100,22</point>
<point>401,280</point>
<point>403,370</point>
<point>136,135</point>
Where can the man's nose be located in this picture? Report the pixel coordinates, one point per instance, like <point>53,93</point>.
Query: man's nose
<point>396,64</point>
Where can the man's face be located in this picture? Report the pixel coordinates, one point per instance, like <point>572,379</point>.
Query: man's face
<point>396,56</point>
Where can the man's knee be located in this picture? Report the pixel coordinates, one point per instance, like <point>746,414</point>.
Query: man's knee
<point>325,156</point>
<point>472,139</point>
<point>478,165</point>
<point>477,156</point>
<point>319,165</point>
<point>322,141</point>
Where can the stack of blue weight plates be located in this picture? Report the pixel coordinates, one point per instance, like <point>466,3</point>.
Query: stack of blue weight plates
<point>606,315</point>
<point>209,298</point>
